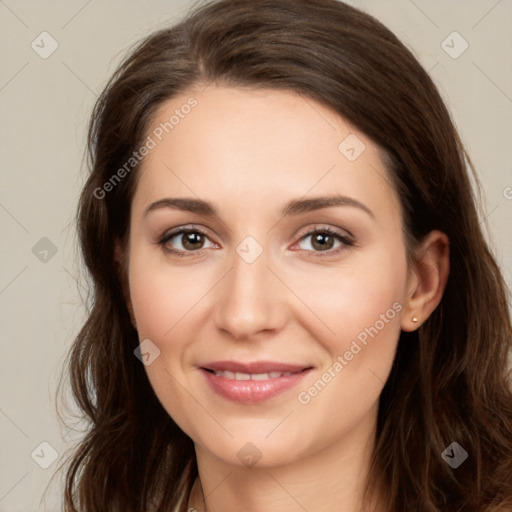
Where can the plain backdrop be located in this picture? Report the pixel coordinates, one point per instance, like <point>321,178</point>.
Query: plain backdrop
<point>45,104</point>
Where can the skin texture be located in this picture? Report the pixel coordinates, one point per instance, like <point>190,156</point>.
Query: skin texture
<point>249,152</point>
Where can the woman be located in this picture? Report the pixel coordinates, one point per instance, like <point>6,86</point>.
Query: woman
<point>294,305</point>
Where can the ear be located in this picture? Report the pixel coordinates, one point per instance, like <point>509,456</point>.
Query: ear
<point>427,279</point>
<point>122,274</point>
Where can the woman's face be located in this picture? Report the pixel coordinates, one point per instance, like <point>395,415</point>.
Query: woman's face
<point>273,321</point>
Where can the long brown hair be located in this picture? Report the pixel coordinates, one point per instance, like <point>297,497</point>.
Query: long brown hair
<point>449,379</point>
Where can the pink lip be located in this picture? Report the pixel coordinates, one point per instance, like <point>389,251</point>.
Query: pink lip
<point>252,391</point>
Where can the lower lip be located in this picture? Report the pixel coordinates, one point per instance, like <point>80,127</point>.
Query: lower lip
<point>252,391</point>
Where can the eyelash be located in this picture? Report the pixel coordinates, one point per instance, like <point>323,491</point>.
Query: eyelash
<point>169,236</point>
<point>345,241</point>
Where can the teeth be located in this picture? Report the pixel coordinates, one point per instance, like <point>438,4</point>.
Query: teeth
<point>260,376</point>
<point>251,376</point>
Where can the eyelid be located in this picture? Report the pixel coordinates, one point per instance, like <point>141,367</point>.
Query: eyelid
<point>342,233</point>
<point>162,240</point>
<point>180,229</point>
<point>346,240</point>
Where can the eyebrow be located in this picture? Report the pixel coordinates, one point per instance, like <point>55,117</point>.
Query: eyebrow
<point>294,207</point>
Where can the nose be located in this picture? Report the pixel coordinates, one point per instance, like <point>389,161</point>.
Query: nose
<point>250,300</point>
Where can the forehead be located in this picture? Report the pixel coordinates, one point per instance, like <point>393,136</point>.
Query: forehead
<point>243,146</point>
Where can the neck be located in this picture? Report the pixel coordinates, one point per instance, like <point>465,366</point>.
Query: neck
<point>333,479</point>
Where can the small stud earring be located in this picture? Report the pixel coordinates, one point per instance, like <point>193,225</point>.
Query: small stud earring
<point>414,319</point>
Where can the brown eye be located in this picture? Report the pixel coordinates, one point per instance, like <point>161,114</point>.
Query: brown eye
<point>183,241</point>
<point>322,241</point>
<point>192,240</point>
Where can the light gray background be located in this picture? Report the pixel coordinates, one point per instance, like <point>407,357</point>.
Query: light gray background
<point>45,104</point>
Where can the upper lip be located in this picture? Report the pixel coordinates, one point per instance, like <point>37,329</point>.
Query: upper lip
<point>254,367</point>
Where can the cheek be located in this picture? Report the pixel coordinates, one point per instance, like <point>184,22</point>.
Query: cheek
<point>161,297</point>
<point>163,302</point>
<point>347,388</point>
<point>365,293</point>
<point>360,307</point>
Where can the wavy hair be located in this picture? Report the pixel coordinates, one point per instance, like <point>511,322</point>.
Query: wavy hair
<point>449,379</point>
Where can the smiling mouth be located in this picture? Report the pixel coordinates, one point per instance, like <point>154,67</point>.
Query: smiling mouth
<point>254,370</point>
<point>252,383</point>
<point>251,376</point>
